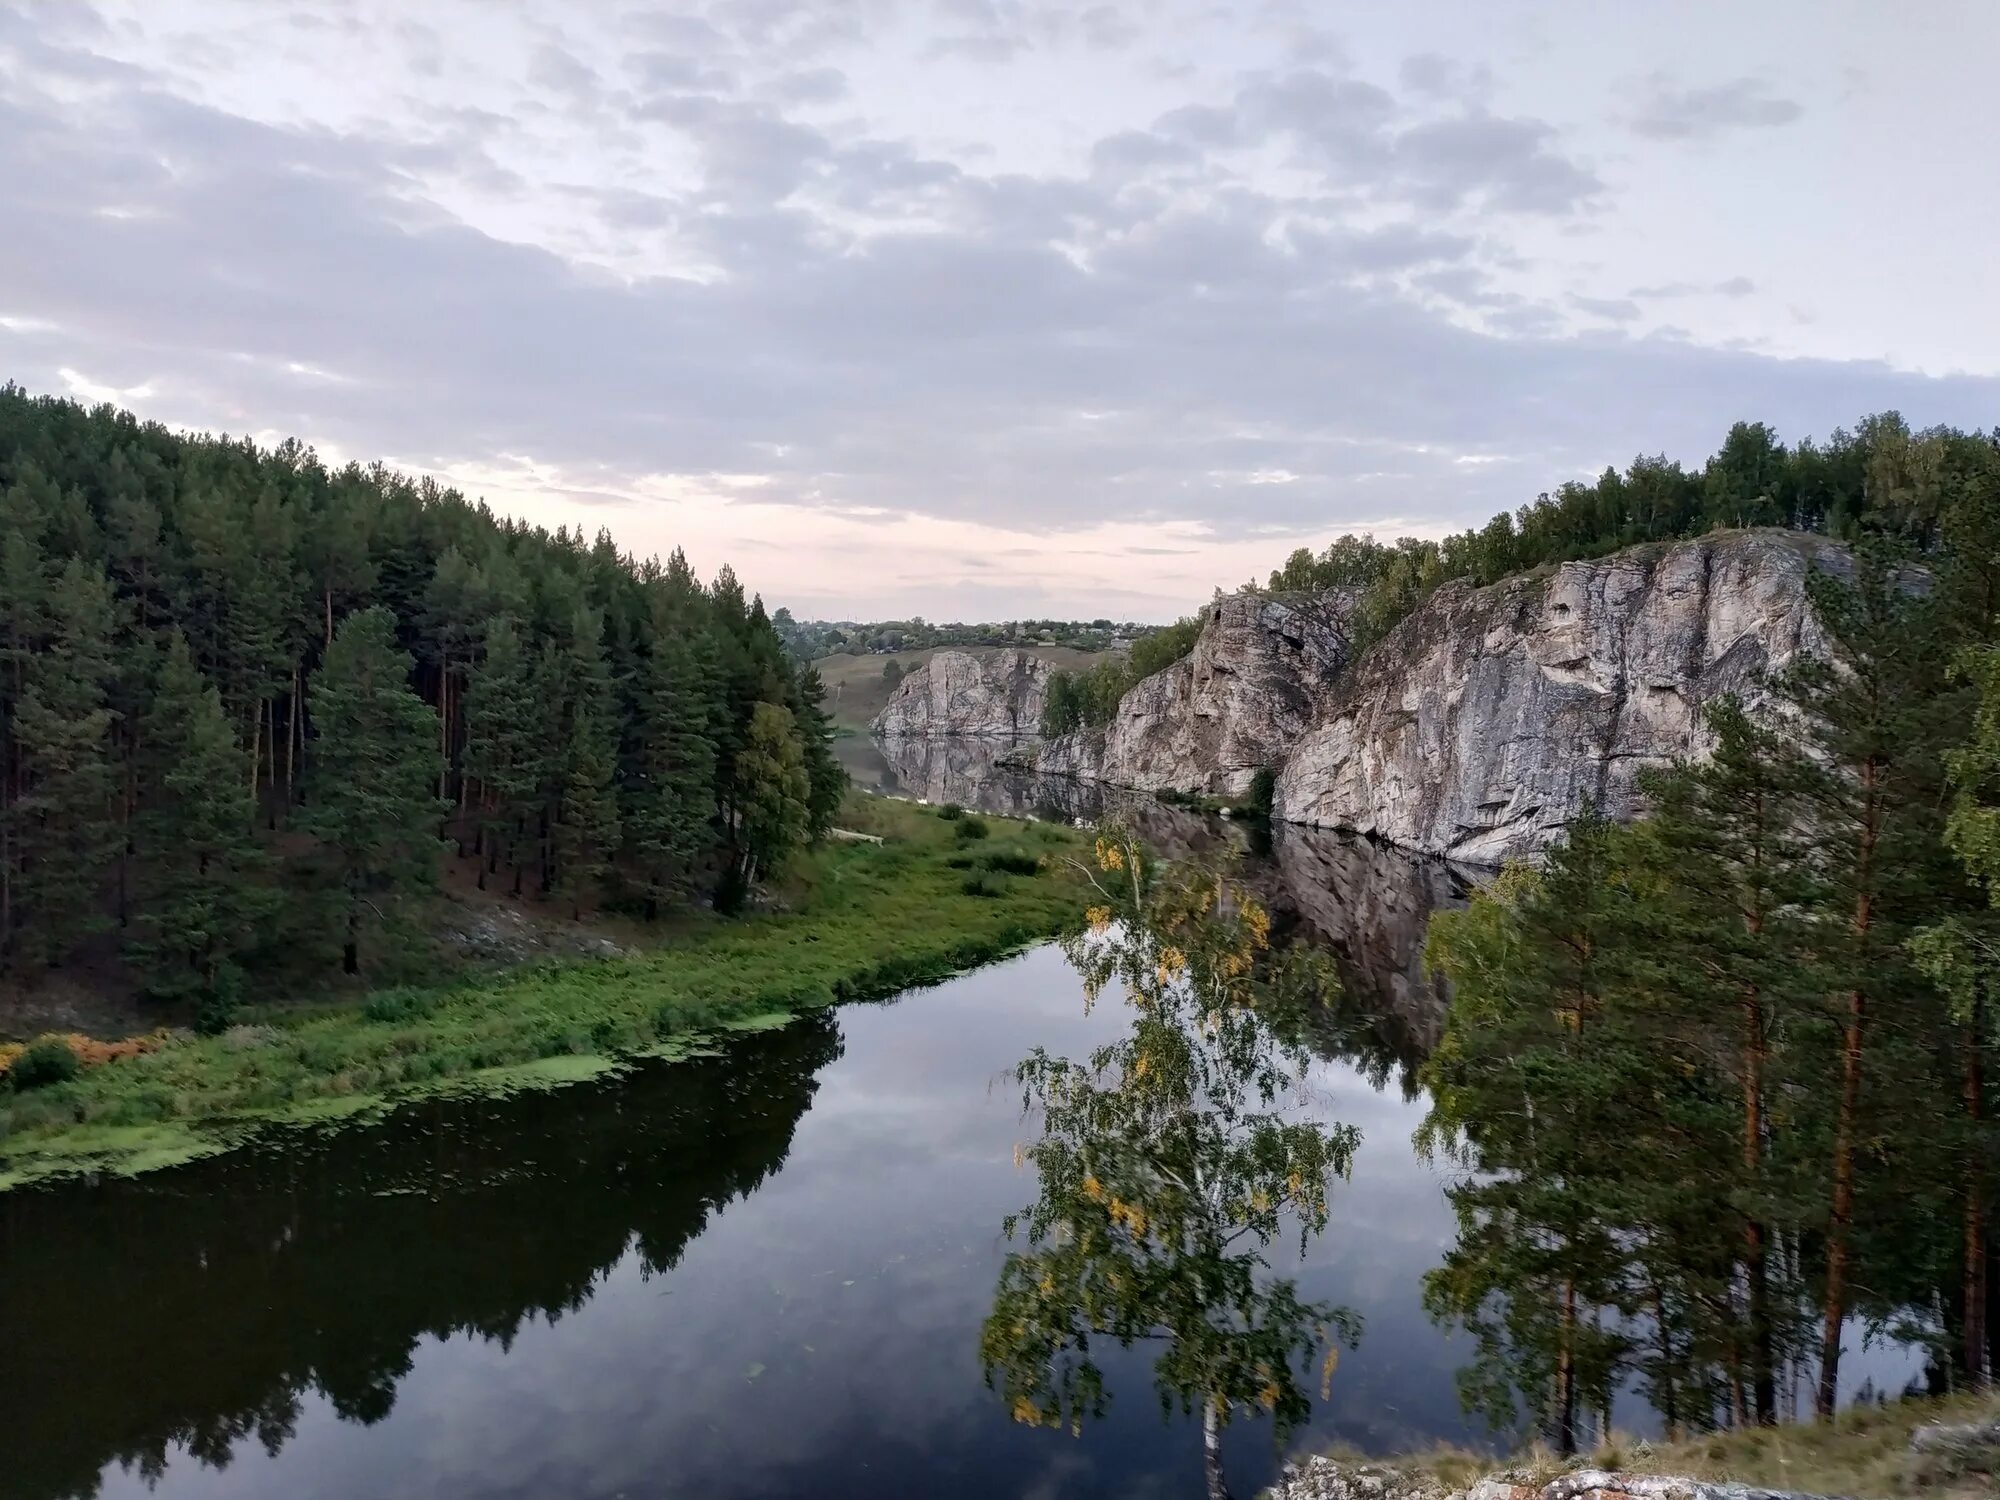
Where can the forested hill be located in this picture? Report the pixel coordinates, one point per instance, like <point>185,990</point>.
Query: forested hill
<point>244,697</point>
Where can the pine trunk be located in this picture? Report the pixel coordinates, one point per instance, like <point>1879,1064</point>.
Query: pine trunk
<point>1834,1311</point>
<point>1565,1435</point>
<point>1977,1369</point>
<point>1763,1375</point>
<point>292,740</point>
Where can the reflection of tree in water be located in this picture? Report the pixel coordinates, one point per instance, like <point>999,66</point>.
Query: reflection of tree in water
<point>199,1308</point>
<point>1169,1161</point>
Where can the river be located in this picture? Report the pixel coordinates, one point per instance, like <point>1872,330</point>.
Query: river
<point>759,1274</point>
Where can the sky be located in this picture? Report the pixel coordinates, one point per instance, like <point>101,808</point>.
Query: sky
<point>982,309</point>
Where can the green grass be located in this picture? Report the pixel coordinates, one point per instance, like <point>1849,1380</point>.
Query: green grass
<point>865,921</point>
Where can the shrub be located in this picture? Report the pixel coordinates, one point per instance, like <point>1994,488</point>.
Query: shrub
<point>220,1002</point>
<point>972,826</point>
<point>1011,861</point>
<point>951,812</point>
<point>986,883</point>
<point>1262,788</point>
<point>45,1062</point>
<point>399,1005</point>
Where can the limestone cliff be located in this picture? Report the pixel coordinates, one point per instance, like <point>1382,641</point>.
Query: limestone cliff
<point>996,696</point>
<point>1491,716</point>
<point>1235,703</point>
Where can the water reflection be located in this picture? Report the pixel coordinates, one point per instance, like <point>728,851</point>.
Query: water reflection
<point>198,1310</point>
<point>1367,902</point>
<point>755,1275</point>
<point>1169,1161</point>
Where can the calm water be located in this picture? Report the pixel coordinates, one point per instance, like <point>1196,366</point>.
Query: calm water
<point>758,1275</point>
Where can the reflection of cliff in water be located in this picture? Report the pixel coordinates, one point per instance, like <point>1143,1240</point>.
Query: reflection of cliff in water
<point>200,1307</point>
<point>1371,904</point>
<point>1367,901</point>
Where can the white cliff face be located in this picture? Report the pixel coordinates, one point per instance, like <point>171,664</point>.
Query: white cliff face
<point>1490,717</point>
<point>1234,704</point>
<point>998,696</point>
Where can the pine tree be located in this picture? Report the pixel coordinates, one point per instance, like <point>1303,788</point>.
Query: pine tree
<point>824,773</point>
<point>1726,933</point>
<point>373,773</point>
<point>1530,1088</point>
<point>774,792</point>
<point>1876,720</point>
<point>23,628</point>
<point>69,825</point>
<point>503,748</point>
<point>669,822</point>
<point>204,898</point>
<point>585,813</point>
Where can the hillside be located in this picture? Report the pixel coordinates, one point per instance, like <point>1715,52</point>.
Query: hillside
<point>856,690</point>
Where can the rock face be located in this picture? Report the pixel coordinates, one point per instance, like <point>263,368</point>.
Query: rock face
<point>1234,704</point>
<point>1491,716</point>
<point>955,693</point>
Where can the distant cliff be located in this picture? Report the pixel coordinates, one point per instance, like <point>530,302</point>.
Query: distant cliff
<point>1236,703</point>
<point>1490,716</point>
<point>957,694</point>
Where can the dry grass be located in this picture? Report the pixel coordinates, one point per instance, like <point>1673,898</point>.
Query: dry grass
<point>1863,1453</point>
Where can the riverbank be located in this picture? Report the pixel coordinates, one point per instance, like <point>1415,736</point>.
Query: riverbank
<point>865,920</point>
<point>1943,1449</point>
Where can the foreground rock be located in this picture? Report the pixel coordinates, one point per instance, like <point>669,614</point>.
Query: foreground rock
<point>1326,1479</point>
<point>1492,716</point>
<point>1233,705</point>
<point>955,693</point>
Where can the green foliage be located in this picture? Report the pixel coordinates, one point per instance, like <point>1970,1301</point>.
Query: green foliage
<point>1089,699</point>
<point>1881,479</point>
<point>951,812</point>
<point>1717,1081</point>
<point>971,827</point>
<point>371,805</point>
<point>204,901</point>
<point>45,1062</point>
<point>881,919</point>
<point>585,711</point>
<point>775,790</point>
<point>1168,1162</point>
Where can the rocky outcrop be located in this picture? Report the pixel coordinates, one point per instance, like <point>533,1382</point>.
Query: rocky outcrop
<point>997,696</point>
<point>1491,716</point>
<point>1232,705</point>
<point>1328,1479</point>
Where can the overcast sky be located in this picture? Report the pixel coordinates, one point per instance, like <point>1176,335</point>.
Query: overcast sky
<point>983,308</point>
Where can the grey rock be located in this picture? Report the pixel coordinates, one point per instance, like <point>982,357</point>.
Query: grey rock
<point>1321,1478</point>
<point>1234,704</point>
<point>1492,716</point>
<point>955,693</point>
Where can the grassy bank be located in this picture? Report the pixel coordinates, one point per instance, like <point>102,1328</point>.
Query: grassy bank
<point>864,921</point>
<point>1864,1452</point>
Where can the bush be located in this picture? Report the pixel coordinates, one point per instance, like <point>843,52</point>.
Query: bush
<point>972,826</point>
<point>951,812</point>
<point>45,1062</point>
<point>1263,786</point>
<point>399,1005</point>
<point>1011,862</point>
<point>986,883</point>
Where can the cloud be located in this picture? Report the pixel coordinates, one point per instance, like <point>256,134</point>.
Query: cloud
<point>1667,112</point>
<point>715,263</point>
<point>1734,286</point>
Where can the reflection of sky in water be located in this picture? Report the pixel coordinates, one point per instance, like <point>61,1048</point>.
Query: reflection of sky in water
<point>820,1335</point>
